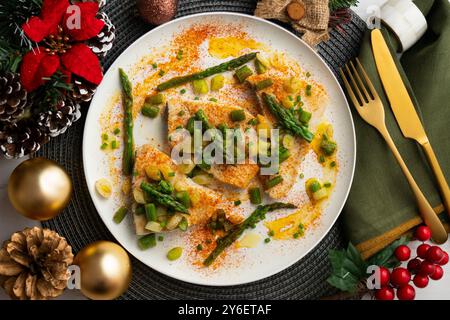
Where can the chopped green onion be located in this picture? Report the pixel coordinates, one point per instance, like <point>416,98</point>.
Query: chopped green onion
<point>183,225</point>
<point>156,99</point>
<point>273,182</point>
<point>116,131</point>
<point>237,115</point>
<point>199,247</point>
<point>243,73</point>
<point>140,210</point>
<point>155,65</point>
<point>321,159</point>
<point>114,144</point>
<point>213,99</point>
<point>104,146</point>
<point>181,113</point>
<point>255,195</point>
<point>314,186</point>
<point>304,117</point>
<point>120,214</point>
<point>217,82</point>
<point>296,235</point>
<point>308,74</point>
<point>266,240</point>
<point>183,197</point>
<point>333,164</point>
<point>308,90</point>
<point>104,137</point>
<point>190,126</point>
<point>327,184</point>
<point>263,84</point>
<point>237,202</point>
<point>174,253</point>
<point>283,154</point>
<point>302,175</point>
<point>327,146</point>
<point>183,91</point>
<point>200,86</point>
<point>196,98</point>
<point>253,122</point>
<point>150,111</point>
<point>161,72</point>
<point>180,54</point>
<point>150,212</point>
<point>271,233</point>
<point>160,238</point>
<point>147,241</point>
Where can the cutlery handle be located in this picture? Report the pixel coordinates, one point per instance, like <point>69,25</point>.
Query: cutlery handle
<point>429,216</point>
<point>443,186</point>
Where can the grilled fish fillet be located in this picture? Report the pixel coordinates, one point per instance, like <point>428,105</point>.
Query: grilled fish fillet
<point>204,202</point>
<point>180,111</point>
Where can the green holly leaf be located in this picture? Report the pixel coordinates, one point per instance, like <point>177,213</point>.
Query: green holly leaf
<point>348,268</point>
<point>386,258</point>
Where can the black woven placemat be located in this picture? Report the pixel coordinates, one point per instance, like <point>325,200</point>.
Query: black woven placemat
<point>81,224</point>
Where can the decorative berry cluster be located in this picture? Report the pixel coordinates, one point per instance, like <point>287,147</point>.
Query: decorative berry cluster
<point>427,265</point>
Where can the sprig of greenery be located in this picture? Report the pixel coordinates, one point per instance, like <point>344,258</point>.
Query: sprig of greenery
<point>349,269</point>
<point>341,4</point>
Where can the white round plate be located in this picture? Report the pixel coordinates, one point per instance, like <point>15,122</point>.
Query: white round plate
<point>247,265</point>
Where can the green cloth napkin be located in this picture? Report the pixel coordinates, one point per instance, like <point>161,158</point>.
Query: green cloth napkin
<point>381,205</point>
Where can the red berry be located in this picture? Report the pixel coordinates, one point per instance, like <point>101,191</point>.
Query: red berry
<point>420,281</point>
<point>400,276</point>
<point>406,293</point>
<point>423,233</point>
<point>422,250</point>
<point>402,253</point>
<point>438,273</point>
<point>414,265</point>
<point>384,293</point>
<point>427,268</point>
<point>444,259</point>
<point>384,276</point>
<point>435,254</point>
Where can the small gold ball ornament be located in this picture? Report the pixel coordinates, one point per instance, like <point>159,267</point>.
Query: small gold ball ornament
<point>105,270</point>
<point>39,189</point>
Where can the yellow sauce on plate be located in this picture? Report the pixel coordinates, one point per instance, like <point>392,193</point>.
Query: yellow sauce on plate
<point>222,48</point>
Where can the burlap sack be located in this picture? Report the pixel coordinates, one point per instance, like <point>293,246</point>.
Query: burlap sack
<point>313,26</point>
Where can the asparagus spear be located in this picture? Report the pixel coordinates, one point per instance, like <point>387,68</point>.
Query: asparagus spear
<point>163,199</point>
<point>226,66</point>
<point>287,118</point>
<point>128,149</point>
<point>228,239</point>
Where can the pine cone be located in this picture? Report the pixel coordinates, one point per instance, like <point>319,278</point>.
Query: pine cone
<point>33,264</point>
<point>83,91</point>
<point>13,97</point>
<point>21,138</point>
<point>103,42</point>
<point>55,121</point>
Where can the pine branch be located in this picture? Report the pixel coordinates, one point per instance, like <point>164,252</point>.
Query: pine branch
<point>341,4</point>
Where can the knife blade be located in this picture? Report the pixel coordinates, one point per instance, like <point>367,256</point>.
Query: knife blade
<point>403,108</point>
<point>395,89</point>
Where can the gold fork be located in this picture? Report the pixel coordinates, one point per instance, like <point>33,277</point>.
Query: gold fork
<point>370,108</point>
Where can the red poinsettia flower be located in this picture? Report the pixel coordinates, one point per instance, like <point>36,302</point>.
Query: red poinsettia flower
<point>60,31</point>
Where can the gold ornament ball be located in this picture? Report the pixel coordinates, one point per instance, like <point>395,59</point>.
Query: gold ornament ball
<point>105,270</point>
<point>39,189</point>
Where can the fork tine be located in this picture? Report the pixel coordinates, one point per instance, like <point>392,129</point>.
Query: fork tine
<point>355,86</point>
<point>361,83</point>
<point>366,77</point>
<point>355,101</point>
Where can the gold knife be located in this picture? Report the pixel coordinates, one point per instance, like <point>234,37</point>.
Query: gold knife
<point>404,110</point>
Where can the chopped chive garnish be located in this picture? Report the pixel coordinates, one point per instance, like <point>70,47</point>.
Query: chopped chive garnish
<point>171,174</point>
<point>291,98</point>
<point>308,74</point>
<point>183,91</point>
<point>302,175</point>
<point>237,202</point>
<point>296,235</point>
<point>327,184</point>
<point>104,146</point>
<point>274,181</point>
<point>321,159</point>
<point>255,195</point>
<point>161,72</point>
<point>155,65</point>
<point>160,238</point>
<point>181,113</point>
<point>116,131</point>
<point>266,240</point>
<point>213,99</point>
<point>308,90</point>
<point>199,247</point>
<point>333,164</point>
<point>180,54</point>
<point>271,233</point>
<point>196,98</point>
<point>253,122</point>
<point>114,144</point>
<point>104,137</point>
<point>237,115</point>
